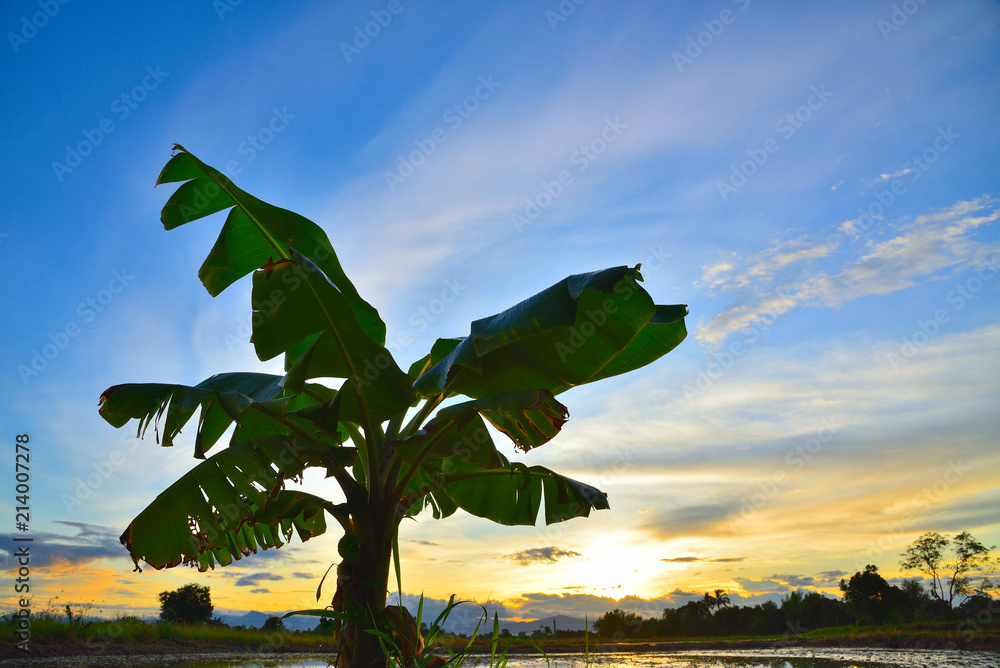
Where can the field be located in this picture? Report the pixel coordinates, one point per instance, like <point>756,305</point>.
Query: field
<point>54,636</point>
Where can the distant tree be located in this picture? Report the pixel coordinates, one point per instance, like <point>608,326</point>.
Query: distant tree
<point>274,624</point>
<point>966,573</point>
<point>326,626</point>
<point>721,598</point>
<point>689,619</point>
<point>191,604</point>
<point>871,599</point>
<point>768,620</point>
<point>731,620</point>
<point>807,610</point>
<point>979,606</point>
<point>618,624</point>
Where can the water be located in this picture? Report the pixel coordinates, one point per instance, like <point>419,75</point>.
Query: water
<point>794,657</point>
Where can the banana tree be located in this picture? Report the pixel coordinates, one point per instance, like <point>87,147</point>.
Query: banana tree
<point>397,442</point>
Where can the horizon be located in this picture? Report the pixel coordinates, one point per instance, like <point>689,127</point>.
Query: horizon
<point>817,184</point>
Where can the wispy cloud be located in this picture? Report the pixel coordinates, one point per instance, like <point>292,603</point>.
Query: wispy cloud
<point>688,560</point>
<point>885,177</point>
<point>789,274</point>
<point>91,542</point>
<point>254,579</point>
<point>541,555</point>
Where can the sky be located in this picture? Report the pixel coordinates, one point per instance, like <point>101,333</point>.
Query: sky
<point>817,182</point>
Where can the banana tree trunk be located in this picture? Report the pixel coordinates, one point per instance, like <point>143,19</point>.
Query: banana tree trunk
<point>362,581</point>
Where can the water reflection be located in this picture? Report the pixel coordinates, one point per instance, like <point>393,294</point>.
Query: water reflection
<point>772,658</point>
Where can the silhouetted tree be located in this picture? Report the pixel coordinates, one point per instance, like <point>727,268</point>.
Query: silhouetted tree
<point>768,619</point>
<point>274,624</point>
<point>618,624</point>
<point>688,620</point>
<point>965,574</point>
<point>326,626</point>
<point>807,610</point>
<point>721,598</point>
<point>872,600</point>
<point>191,604</point>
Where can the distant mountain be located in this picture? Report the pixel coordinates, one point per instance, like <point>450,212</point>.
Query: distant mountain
<point>556,623</point>
<point>256,619</point>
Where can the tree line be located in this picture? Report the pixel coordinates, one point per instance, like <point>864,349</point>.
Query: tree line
<point>958,572</point>
<point>959,586</point>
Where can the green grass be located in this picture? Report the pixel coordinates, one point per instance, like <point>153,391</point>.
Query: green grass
<point>73,635</point>
<point>89,635</point>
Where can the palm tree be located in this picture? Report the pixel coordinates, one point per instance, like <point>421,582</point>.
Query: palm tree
<point>721,598</point>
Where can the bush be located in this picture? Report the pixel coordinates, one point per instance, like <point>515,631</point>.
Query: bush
<point>274,624</point>
<point>191,604</point>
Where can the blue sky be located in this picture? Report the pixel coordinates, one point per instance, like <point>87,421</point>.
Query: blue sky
<point>817,183</point>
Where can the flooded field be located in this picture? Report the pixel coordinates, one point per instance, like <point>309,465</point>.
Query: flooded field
<point>763,658</point>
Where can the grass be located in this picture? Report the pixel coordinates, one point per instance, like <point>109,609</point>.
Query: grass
<point>58,635</point>
<point>93,636</point>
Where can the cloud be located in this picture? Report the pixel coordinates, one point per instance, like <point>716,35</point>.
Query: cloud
<point>794,580</point>
<point>786,275</point>
<point>711,274</point>
<point>260,591</point>
<point>254,579</point>
<point>91,542</point>
<point>302,576</point>
<point>783,583</point>
<point>763,586</point>
<point>766,264</point>
<point>693,520</point>
<point>685,560</point>
<point>541,555</point>
<point>885,177</point>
